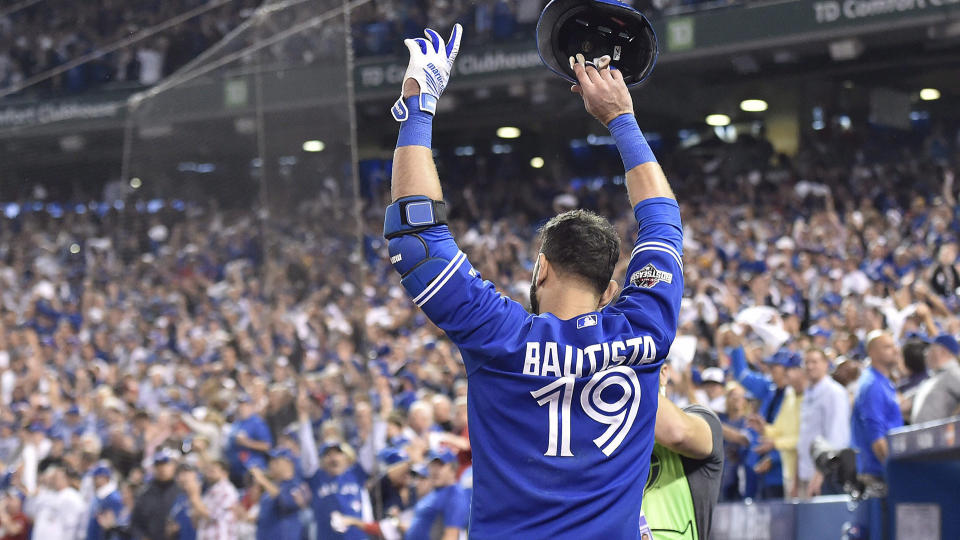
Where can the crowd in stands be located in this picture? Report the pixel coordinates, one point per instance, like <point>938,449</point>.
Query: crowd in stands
<point>41,36</point>
<point>198,373</point>
<point>36,37</point>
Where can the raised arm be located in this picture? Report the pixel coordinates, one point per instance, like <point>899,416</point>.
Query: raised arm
<point>607,98</point>
<point>433,270</point>
<point>651,296</point>
<point>431,62</point>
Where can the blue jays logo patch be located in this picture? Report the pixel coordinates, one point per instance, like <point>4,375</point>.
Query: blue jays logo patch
<point>586,321</point>
<point>648,276</point>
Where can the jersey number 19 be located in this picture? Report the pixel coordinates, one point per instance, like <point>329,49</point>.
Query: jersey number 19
<point>618,415</point>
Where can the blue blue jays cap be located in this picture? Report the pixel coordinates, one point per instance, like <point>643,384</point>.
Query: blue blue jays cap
<point>819,331</point>
<point>393,456</point>
<point>101,470</point>
<point>443,455</point>
<point>164,455</point>
<point>948,342</point>
<point>792,360</point>
<point>332,445</point>
<point>420,469</point>
<point>597,28</point>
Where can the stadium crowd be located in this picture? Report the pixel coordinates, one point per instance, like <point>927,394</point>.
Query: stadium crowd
<point>36,37</point>
<point>198,373</point>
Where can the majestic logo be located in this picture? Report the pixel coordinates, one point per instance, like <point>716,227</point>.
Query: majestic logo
<point>648,276</point>
<point>586,321</point>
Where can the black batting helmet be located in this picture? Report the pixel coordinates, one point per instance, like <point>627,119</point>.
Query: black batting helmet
<point>596,28</point>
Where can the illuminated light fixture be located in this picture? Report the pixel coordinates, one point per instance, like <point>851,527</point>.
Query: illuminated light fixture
<point>929,94</point>
<point>718,120</point>
<point>508,132</point>
<point>135,183</point>
<point>74,248</point>
<point>753,105</point>
<point>537,162</point>
<point>313,146</point>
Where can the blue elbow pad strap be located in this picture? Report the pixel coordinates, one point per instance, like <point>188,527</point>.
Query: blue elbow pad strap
<point>409,215</point>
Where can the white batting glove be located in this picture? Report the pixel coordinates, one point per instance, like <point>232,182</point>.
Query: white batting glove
<point>431,61</point>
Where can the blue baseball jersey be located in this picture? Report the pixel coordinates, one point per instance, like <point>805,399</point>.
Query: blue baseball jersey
<point>448,505</point>
<point>561,412</point>
<point>345,494</point>
<point>280,516</point>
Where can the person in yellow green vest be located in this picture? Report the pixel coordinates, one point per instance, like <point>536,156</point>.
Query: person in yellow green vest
<point>685,471</point>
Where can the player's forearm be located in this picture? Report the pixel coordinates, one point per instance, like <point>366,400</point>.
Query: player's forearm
<point>645,178</point>
<point>414,172</point>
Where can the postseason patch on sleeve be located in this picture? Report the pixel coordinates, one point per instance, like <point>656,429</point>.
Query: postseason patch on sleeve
<point>649,275</point>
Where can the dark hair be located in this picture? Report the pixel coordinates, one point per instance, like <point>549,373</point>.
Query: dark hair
<point>913,351</point>
<point>582,243</point>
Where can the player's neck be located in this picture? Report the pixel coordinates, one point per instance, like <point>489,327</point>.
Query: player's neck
<point>572,302</point>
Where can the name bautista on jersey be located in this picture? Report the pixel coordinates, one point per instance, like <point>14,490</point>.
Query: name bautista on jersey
<point>545,359</point>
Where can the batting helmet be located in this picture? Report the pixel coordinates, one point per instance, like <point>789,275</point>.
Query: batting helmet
<point>596,28</point>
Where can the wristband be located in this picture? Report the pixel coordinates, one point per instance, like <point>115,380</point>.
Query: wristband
<point>417,129</point>
<point>633,148</point>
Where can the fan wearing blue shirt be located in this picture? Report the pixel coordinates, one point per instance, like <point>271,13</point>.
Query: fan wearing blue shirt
<point>561,401</point>
<point>337,484</point>
<point>107,498</point>
<point>249,441</point>
<point>769,391</point>
<point>446,508</point>
<point>875,409</point>
<point>284,497</point>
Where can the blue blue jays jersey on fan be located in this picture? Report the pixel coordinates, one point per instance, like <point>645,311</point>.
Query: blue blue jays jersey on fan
<point>345,494</point>
<point>561,412</point>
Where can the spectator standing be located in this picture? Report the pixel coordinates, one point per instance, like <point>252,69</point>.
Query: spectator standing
<point>389,494</point>
<point>769,391</point>
<point>735,446</point>
<point>249,440</point>
<point>825,413</point>
<point>57,509</point>
<point>180,525</point>
<point>939,396</point>
<point>149,518</point>
<point>284,497</point>
<point>875,409</point>
<point>214,510</point>
<point>914,353</point>
<point>107,506</point>
<point>785,430</point>
<point>447,503</point>
<point>337,485</point>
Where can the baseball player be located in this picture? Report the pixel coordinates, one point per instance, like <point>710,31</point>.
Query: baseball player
<point>562,401</point>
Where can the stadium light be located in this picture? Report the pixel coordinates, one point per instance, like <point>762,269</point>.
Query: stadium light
<point>313,146</point>
<point>718,120</point>
<point>537,162</point>
<point>508,132</point>
<point>929,94</point>
<point>135,183</point>
<point>753,105</point>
